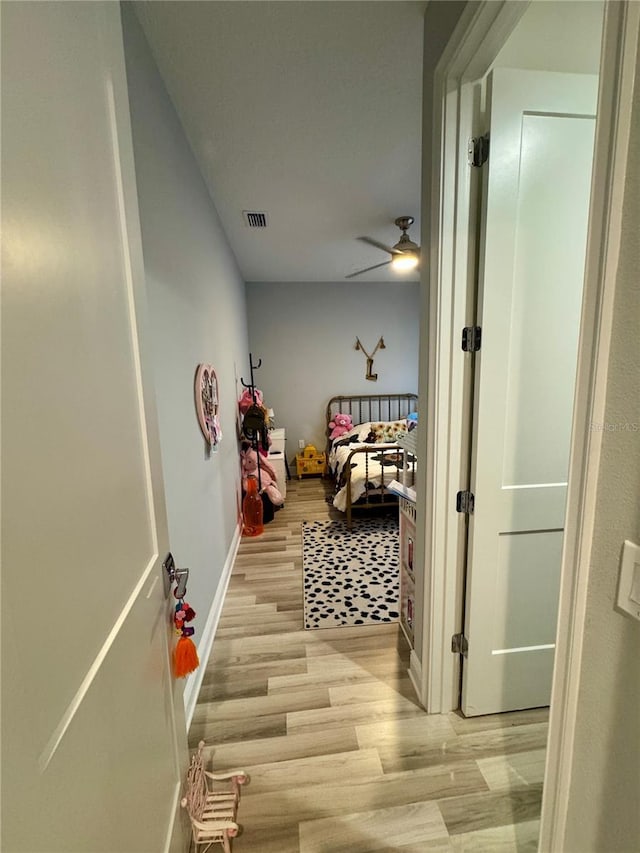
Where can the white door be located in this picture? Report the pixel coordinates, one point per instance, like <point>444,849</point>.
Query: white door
<point>92,722</point>
<point>536,204</point>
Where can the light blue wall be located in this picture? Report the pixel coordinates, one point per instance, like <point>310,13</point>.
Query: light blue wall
<point>305,335</point>
<point>197,314</point>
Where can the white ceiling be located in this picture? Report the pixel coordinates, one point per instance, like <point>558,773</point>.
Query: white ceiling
<point>310,111</point>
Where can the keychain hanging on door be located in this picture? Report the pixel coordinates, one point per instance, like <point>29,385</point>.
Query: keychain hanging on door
<point>185,655</point>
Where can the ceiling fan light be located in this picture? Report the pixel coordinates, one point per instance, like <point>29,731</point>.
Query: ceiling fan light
<point>404,262</point>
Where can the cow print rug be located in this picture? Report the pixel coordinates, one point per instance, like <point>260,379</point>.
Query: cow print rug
<point>350,577</point>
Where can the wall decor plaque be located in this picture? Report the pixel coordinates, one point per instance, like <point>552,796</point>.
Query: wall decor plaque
<point>206,396</point>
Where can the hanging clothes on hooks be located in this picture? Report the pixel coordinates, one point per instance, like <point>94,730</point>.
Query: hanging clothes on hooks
<point>255,446</point>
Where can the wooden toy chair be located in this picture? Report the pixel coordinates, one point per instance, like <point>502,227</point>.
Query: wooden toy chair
<point>211,801</point>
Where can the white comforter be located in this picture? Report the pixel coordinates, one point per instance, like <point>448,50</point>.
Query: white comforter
<point>374,472</point>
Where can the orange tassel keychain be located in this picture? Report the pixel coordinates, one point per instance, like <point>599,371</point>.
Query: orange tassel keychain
<point>185,655</point>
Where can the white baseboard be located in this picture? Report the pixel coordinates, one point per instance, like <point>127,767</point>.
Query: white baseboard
<point>194,681</point>
<point>415,674</point>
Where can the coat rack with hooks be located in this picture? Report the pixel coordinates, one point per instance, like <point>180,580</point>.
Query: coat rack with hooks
<point>251,384</point>
<point>253,433</point>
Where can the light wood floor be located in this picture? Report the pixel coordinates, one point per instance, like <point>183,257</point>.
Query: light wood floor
<point>340,755</point>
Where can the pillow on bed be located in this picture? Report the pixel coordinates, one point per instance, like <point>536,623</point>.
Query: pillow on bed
<point>372,432</point>
<point>386,432</point>
<point>356,434</point>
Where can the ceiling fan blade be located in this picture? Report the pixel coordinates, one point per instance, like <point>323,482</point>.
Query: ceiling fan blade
<point>379,245</point>
<point>368,269</point>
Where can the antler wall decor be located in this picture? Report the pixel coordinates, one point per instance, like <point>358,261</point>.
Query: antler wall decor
<point>380,345</point>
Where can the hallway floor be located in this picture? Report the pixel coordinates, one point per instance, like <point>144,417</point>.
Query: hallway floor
<point>340,755</point>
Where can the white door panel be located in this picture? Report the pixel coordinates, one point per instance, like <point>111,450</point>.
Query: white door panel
<point>119,737</point>
<point>535,506</point>
<point>526,580</point>
<point>530,289</point>
<point>551,226</point>
<point>92,737</point>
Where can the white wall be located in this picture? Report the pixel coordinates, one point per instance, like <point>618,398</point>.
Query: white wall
<point>556,35</point>
<point>305,335</point>
<point>197,314</point>
<point>603,814</point>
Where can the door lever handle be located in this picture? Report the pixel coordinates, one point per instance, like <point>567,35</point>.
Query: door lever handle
<point>177,576</point>
<point>181,576</point>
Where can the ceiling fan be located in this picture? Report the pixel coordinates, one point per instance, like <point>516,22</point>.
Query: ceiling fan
<point>405,255</point>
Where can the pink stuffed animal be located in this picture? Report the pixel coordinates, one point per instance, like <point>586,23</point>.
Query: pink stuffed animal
<point>339,425</point>
<point>268,477</point>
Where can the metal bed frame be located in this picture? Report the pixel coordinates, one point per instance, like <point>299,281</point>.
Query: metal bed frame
<point>372,407</point>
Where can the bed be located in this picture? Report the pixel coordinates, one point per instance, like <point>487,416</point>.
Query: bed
<point>365,460</point>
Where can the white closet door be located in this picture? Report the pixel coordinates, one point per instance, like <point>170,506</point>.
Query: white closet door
<point>532,263</point>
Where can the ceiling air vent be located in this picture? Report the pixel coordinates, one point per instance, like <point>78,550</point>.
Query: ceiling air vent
<point>255,218</point>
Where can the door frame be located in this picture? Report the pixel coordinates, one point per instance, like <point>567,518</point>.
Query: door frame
<point>481,32</point>
<point>613,124</point>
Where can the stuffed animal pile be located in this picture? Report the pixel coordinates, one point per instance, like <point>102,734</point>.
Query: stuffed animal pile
<point>339,425</point>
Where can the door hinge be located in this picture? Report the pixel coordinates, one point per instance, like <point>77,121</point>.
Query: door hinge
<point>465,502</point>
<point>478,150</point>
<point>459,644</point>
<point>471,338</point>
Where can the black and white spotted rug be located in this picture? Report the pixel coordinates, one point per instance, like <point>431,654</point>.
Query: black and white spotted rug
<point>350,577</point>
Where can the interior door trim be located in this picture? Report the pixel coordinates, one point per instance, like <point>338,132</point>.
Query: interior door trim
<point>478,38</point>
<point>617,73</point>
<point>475,43</point>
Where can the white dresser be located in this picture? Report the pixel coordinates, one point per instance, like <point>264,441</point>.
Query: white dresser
<point>277,457</point>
